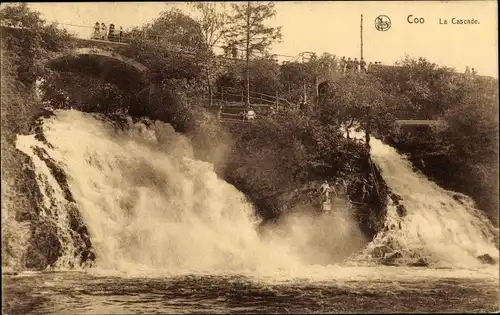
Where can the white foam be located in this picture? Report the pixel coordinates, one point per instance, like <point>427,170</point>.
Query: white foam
<point>437,225</point>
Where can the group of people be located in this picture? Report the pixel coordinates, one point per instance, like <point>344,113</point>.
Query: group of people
<point>355,65</point>
<point>101,32</point>
<point>469,71</point>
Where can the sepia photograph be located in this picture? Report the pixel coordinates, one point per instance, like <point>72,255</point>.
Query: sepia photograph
<point>250,157</point>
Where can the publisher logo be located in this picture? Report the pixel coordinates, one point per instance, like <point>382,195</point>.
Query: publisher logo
<point>382,23</point>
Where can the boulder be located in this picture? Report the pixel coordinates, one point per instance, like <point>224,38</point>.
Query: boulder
<point>390,260</point>
<point>381,251</point>
<point>421,262</point>
<point>487,259</point>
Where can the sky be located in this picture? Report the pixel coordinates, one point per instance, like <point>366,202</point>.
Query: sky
<point>334,27</point>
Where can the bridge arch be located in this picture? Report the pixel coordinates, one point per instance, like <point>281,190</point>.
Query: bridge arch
<point>90,51</point>
<point>323,87</point>
<point>109,65</point>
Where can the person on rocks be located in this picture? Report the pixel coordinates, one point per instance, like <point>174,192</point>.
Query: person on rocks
<point>325,190</point>
<point>341,185</point>
<point>326,203</point>
<point>365,189</point>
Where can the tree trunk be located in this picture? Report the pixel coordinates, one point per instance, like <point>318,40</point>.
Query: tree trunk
<point>247,69</point>
<point>349,127</point>
<point>209,84</point>
<point>316,91</point>
<point>368,128</point>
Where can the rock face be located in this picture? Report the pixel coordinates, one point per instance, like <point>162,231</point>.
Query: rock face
<point>44,243</point>
<point>45,247</point>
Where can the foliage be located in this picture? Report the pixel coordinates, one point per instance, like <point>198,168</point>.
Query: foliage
<point>213,28</point>
<point>31,42</point>
<point>356,98</point>
<point>474,136</point>
<point>326,65</point>
<point>248,30</point>
<point>429,89</point>
<point>264,76</point>
<point>300,150</point>
<point>172,47</point>
<point>175,28</point>
<point>463,154</point>
<point>212,23</point>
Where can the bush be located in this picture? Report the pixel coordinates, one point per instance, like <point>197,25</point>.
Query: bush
<point>300,150</point>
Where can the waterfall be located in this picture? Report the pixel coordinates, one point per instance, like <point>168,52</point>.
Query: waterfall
<point>133,197</point>
<point>148,204</point>
<point>441,226</point>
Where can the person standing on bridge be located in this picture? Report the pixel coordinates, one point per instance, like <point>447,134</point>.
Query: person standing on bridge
<point>97,31</point>
<point>104,33</point>
<point>111,34</point>
<point>120,38</point>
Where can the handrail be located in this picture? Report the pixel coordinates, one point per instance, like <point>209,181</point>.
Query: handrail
<point>251,92</point>
<point>253,95</point>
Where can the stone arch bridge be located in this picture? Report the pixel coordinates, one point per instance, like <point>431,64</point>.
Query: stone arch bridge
<point>104,59</point>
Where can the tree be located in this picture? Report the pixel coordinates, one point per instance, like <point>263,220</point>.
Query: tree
<point>157,46</point>
<point>429,89</point>
<point>213,27</point>
<point>292,77</point>
<point>357,98</point>
<point>264,74</point>
<point>474,135</point>
<point>174,29</point>
<point>29,41</point>
<point>248,30</point>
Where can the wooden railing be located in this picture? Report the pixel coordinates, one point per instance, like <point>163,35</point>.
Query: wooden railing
<point>235,95</point>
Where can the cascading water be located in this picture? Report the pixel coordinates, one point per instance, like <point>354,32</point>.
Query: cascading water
<point>149,205</point>
<point>439,225</point>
